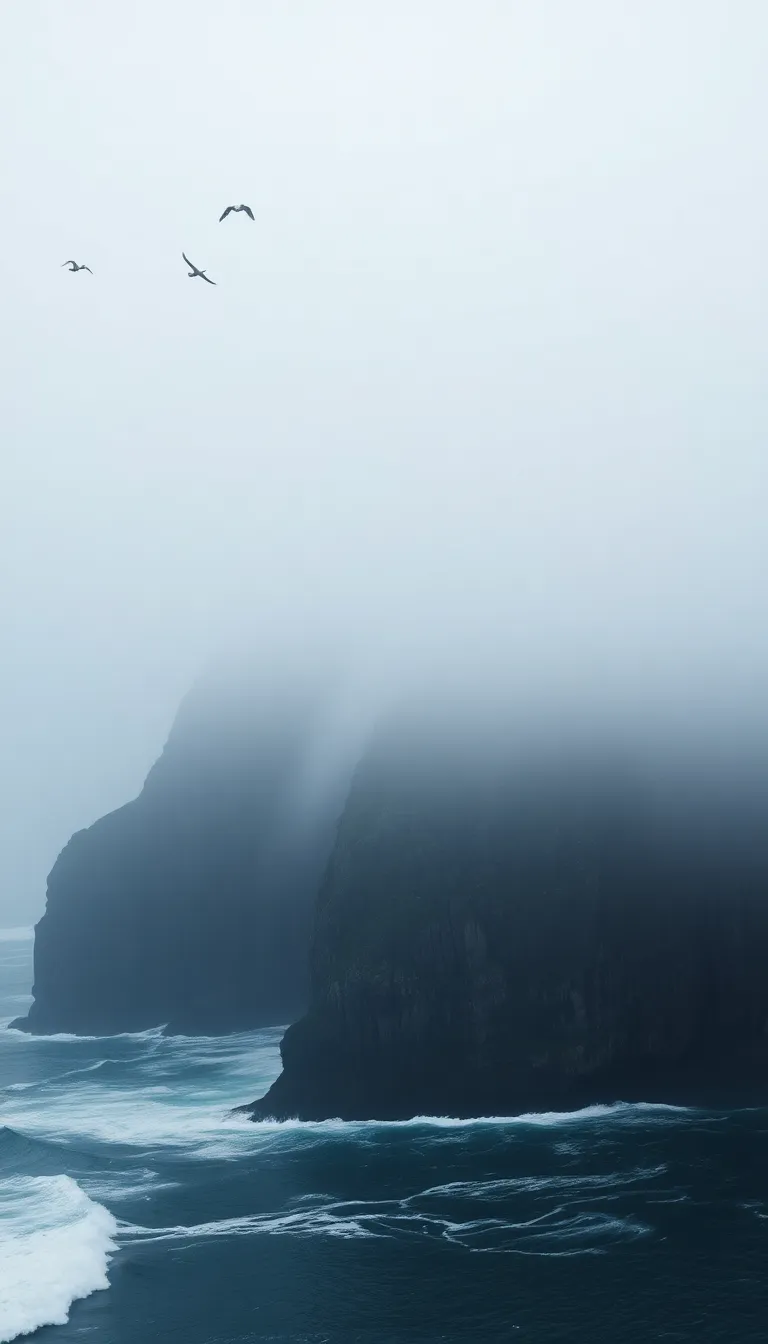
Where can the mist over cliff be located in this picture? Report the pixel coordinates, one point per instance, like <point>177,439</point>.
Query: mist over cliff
<point>192,905</point>
<point>487,367</point>
<point>520,916</point>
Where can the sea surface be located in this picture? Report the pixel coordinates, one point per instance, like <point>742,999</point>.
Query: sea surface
<point>135,1210</point>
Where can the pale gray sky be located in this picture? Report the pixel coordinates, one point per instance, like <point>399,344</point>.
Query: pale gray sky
<point>496,343</point>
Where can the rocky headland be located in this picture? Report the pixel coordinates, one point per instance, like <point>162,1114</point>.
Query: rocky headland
<point>192,905</point>
<point>506,927</point>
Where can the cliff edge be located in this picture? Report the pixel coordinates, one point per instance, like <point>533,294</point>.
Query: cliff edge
<point>192,905</point>
<point>520,929</point>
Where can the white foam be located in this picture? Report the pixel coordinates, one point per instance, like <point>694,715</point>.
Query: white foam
<point>55,1247</point>
<point>324,1222</point>
<point>180,1095</point>
<point>147,1117</point>
<point>505,1186</point>
<point>182,1090</point>
<point>617,1110</point>
<point>555,1231</point>
<point>69,1037</point>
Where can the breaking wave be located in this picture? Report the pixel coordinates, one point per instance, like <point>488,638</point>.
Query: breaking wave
<point>55,1247</point>
<point>127,1146</point>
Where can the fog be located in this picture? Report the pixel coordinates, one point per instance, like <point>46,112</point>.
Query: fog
<point>485,376</point>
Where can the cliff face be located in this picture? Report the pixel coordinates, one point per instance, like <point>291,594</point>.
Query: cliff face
<point>192,905</point>
<point>496,935</point>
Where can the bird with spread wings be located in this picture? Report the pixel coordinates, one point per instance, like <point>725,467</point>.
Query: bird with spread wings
<point>195,270</point>
<point>236,209</point>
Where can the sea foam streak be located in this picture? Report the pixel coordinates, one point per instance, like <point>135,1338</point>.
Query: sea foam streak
<point>557,1229</point>
<point>55,1247</point>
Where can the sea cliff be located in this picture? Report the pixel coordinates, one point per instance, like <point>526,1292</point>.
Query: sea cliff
<point>191,906</point>
<point>515,928</point>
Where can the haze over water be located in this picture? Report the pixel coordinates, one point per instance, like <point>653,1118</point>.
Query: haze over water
<point>478,401</point>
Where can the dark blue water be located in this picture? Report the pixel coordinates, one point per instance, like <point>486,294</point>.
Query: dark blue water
<point>133,1211</point>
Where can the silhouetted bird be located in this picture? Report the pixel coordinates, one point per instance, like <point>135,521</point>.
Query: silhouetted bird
<point>73,266</point>
<point>196,271</point>
<point>236,209</point>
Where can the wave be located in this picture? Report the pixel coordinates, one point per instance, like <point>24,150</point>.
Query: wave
<point>157,1094</point>
<point>18,1150</point>
<point>23,1154</point>
<point>138,1120</point>
<point>148,1092</point>
<point>58,1077</point>
<point>55,1248</point>
<point>70,1038</point>
<point>154,1118</point>
<point>626,1110</point>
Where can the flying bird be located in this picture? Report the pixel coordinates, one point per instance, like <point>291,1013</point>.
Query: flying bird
<point>236,209</point>
<point>73,266</point>
<point>196,270</point>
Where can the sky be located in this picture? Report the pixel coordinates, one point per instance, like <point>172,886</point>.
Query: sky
<point>488,368</point>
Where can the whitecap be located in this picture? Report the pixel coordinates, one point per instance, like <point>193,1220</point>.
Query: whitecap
<point>55,1247</point>
<point>71,1038</point>
<point>623,1110</point>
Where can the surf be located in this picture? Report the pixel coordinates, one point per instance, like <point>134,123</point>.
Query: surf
<point>55,1248</point>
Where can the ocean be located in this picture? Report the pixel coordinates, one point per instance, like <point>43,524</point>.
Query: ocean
<point>135,1210</point>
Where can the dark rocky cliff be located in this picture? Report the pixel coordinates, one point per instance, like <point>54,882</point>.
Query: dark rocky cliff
<point>534,930</point>
<point>192,905</point>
